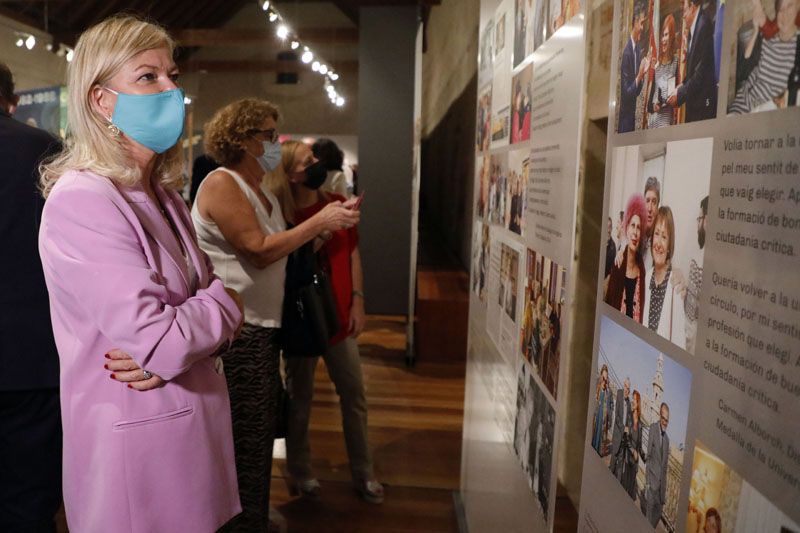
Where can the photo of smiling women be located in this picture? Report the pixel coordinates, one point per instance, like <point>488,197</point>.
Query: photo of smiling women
<point>665,229</point>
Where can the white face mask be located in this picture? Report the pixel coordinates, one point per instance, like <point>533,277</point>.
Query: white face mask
<point>271,157</point>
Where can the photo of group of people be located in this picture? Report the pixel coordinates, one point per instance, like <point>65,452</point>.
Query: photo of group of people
<point>640,414</point>
<point>486,54</point>
<point>656,232</point>
<point>721,501</point>
<point>669,62</point>
<point>502,182</point>
<point>509,275</point>
<point>766,58</point>
<point>540,337</point>
<point>521,99</point>
<point>480,260</point>
<point>534,431</point>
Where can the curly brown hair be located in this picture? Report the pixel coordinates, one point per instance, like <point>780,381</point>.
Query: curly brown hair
<point>231,125</point>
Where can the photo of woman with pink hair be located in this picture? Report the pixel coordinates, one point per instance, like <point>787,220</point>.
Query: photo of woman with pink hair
<point>625,284</point>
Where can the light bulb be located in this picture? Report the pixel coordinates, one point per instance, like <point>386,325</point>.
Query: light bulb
<point>20,42</point>
<point>330,89</point>
<point>283,31</point>
<point>30,42</point>
<point>307,57</point>
<point>323,69</point>
<point>339,102</point>
<point>334,76</point>
<point>265,5</point>
<point>49,47</point>
<point>187,100</point>
<point>315,66</point>
<point>273,17</point>
<point>70,55</point>
<point>295,45</point>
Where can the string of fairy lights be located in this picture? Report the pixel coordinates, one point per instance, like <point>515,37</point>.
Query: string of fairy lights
<point>307,56</point>
<point>28,41</point>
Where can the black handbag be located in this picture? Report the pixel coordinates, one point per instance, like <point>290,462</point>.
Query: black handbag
<point>309,308</point>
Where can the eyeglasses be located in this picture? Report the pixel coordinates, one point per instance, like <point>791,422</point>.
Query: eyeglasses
<point>270,134</point>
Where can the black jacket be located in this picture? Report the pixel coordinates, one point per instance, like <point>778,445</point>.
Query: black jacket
<point>28,357</point>
<point>699,90</point>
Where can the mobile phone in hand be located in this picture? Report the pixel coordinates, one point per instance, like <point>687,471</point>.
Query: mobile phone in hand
<point>360,198</point>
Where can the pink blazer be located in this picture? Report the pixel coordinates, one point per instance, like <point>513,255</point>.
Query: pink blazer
<point>154,461</point>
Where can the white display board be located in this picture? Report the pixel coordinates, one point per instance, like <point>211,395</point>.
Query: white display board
<point>531,95</point>
<point>694,414</point>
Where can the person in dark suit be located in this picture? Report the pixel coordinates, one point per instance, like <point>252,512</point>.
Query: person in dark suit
<point>623,420</point>
<point>657,464</point>
<point>698,90</point>
<point>611,251</point>
<point>632,71</point>
<point>30,420</point>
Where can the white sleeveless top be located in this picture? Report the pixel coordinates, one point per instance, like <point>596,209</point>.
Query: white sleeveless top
<point>261,289</point>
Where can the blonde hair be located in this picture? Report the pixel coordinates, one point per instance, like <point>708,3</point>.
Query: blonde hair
<point>279,183</point>
<point>227,130</point>
<point>101,52</point>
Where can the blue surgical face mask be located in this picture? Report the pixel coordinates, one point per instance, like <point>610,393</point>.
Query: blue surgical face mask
<point>271,157</point>
<point>153,120</point>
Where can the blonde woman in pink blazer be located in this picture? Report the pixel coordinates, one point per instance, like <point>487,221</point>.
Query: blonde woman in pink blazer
<point>137,312</point>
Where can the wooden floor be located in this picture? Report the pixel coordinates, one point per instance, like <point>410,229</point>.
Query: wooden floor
<point>415,418</point>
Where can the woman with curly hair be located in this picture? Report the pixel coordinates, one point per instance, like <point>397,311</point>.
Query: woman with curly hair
<point>241,227</point>
<point>625,283</point>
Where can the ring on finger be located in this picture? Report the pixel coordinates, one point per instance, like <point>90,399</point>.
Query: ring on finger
<point>146,374</point>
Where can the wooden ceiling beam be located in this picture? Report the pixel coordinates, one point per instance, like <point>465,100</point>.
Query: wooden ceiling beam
<point>240,37</point>
<point>342,67</point>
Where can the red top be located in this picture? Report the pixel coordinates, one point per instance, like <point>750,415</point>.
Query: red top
<point>338,250</point>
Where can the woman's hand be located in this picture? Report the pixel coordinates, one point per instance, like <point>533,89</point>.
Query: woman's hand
<point>123,368</point>
<point>336,216</point>
<point>358,317</point>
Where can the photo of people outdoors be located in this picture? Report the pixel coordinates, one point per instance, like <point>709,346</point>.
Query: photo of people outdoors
<point>521,99</point>
<point>721,501</point>
<point>498,203</point>
<point>509,274</point>
<point>669,62</point>
<point>540,337</point>
<point>522,36</point>
<point>480,260</point>
<point>500,35</point>
<point>766,56</point>
<point>640,413</point>
<point>659,193</point>
<point>518,183</point>
<point>561,12</point>
<point>484,120</point>
<point>534,431</point>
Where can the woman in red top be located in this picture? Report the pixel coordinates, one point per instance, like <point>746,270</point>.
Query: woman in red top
<point>296,183</point>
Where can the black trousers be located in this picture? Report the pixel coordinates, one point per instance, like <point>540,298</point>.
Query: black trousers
<point>30,460</point>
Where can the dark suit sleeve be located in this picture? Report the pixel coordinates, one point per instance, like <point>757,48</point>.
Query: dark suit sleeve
<point>703,66</point>
<point>628,85</point>
<point>665,472</point>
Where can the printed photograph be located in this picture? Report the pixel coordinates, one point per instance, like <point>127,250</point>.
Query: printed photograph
<point>521,100</point>
<point>534,433</point>
<point>509,275</point>
<point>540,337</point>
<point>483,171</point>
<point>669,62</point>
<point>766,75</point>
<point>518,161</point>
<point>530,27</point>
<point>500,35</point>
<point>484,120</point>
<point>486,54</point>
<point>561,12</point>
<point>640,413</point>
<point>721,501</point>
<point>499,197</point>
<point>480,260</point>
<point>656,234</point>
